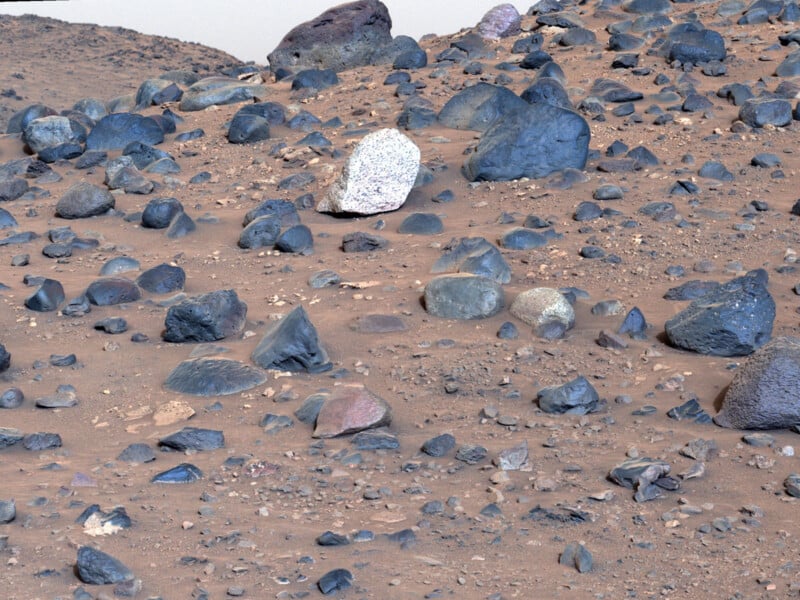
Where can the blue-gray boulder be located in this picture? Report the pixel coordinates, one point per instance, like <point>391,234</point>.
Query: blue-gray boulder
<point>205,318</point>
<point>213,91</point>
<point>84,200</point>
<point>692,43</point>
<point>207,376</point>
<point>12,188</point>
<point>19,120</point>
<point>547,90</point>
<point>159,212</point>
<point>577,397</point>
<point>48,297</point>
<point>194,438</point>
<point>765,391</point>
<point>463,296</point>
<point>476,256</point>
<point>533,141</point>
<point>98,568</point>
<point>162,279</point>
<point>790,67</point>
<point>248,129</point>
<point>478,106</point>
<point>48,132</point>
<point>263,231</point>
<point>116,131</point>
<point>110,291</point>
<point>758,112</point>
<point>316,79</point>
<point>732,320</point>
<point>292,344</point>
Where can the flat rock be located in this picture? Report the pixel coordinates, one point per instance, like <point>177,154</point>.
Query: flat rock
<point>65,397</point>
<point>194,438</point>
<point>350,409</point>
<point>522,238</point>
<point>83,200</point>
<point>759,112</point>
<point>36,442</point>
<point>546,310</point>
<point>375,440</point>
<point>733,320</point>
<point>182,473</point>
<point>109,291</point>
<point>765,391</point>
<point>217,90</point>
<point>377,176</point>
<point>476,256</point>
<point>361,241</point>
<point>533,141</point>
<point>577,397</point>
<point>376,323</point>
<point>335,581</point>
<point>205,376</point>
<point>162,279</point>
<point>205,318</point>
<point>98,568</point>
<point>292,344</point>
<point>10,436</point>
<point>463,296</point>
<point>115,131</point>
<point>137,453</point>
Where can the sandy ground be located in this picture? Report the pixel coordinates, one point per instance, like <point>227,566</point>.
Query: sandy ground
<point>732,530</point>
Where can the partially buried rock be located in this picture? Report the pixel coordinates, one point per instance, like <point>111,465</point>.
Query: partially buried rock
<point>733,320</point>
<point>48,297</point>
<point>378,324</point>
<point>292,344</point>
<point>531,141</point>
<point>576,555</point>
<point>162,279</point>
<point>440,445</point>
<point>335,581</point>
<point>377,176</point>
<point>216,90</point>
<point>205,318</point>
<point>8,511</point>
<point>98,568</point>
<point>646,476</point>
<point>463,296</point>
<point>577,397</point>
<point>11,398</point>
<point>478,106</point>
<point>109,291</point>
<point>421,224</point>
<point>36,442</point>
<point>65,397</point>
<point>350,409</point>
<point>183,473</point>
<point>522,238</point>
<point>207,376</point>
<point>765,391</point>
<point>546,310</point>
<point>476,256</point>
<point>360,241</point>
<point>194,438</point>
<point>137,454</point>
<point>10,436</point>
<point>84,200</point>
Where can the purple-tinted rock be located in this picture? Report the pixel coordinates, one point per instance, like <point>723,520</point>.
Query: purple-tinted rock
<point>350,409</point>
<point>500,22</point>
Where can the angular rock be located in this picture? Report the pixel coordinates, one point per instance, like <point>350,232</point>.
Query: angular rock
<point>733,320</point>
<point>207,376</point>
<point>335,581</point>
<point>112,290</point>
<point>692,43</point>
<point>377,176</point>
<point>36,442</point>
<point>10,436</point>
<point>477,107</point>
<point>440,445</point>
<point>12,188</point>
<point>463,296</point>
<point>292,344</point>
<point>361,241</point>
<point>83,200</point>
<point>298,239</point>
<point>283,209</point>
<point>689,410</point>
<point>533,142</point>
<point>48,297</point>
<point>634,324</point>
<point>765,392</point>
<point>115,131</point>
<point>137,453</point>
<point>514,458</point>
<point>98,568</point>
<point>48,132</point>
<point>546,310</point>
<point>261,232</point>
<point>159,212</point>
<point>375,440</point>
<point>758,112</point>
<point>350,409</point>
<point>183,473</point>
<point>205,318</point>
<point>471,454</point>
<point>502,21</point>
<point>194,438</point>
<point>577,397</point>
<point>691,290</point>
<point>576,555</point>
<point>476,256</point>
<point>646,476</point>
<point>8,511</point>
<point>248,129</point>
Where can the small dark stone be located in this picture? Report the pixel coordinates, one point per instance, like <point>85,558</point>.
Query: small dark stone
<point>576,397</point>
<point>330,538</point>
<point>363,242</point>
<point>421,224</point>
<point>439,445</point>
<point>194,438</point>
<point>335,581</point>
<point>471,454</point>
<point>183,473</point>
<point>62,360</point>
<point>41,441</point>
<point>98,568</point>
<point>137,453</point>
<point>508,331</point>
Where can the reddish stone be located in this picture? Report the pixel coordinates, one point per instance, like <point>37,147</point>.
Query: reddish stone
<point>350,409</point>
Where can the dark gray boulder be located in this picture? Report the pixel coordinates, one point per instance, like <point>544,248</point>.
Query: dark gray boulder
<point>117,130</point>
<point>577,397</point>
<point>478,106</point>
<point>98,568</point>
<point>292,344</point>
<point>205,318</point>
<point>765,391</point>
<point>83,200</point>
<point>283,209</point>
<point>344,37</point>
<point>463,296</point>
<point>112,290</point>
<point>162,279</point>
<point>476,256</point>
<point>159,212</point>
<point>273,112</point>
<point>248,129</point>
<point>12,188</point>
<point>533,142</point>
<point>297,240</point>
<point>732,320</point>
<point>48,132</point>
<point>182,473</point>
<point>315,79</point>
<point>263,231</point>
<point>790,67</point>
<point>207,376</point>
<point>692,43</point>
<point>48,297</point>
<point>758,112</point>
<point>216,90</point>
<point>20,119</point>
<point>547,90</point>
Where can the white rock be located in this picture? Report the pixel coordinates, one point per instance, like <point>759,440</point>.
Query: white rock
<point>377,177</point>
<point>543,307</point>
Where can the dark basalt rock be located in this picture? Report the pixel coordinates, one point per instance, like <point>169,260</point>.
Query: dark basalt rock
<point>733,320</point>
<point>547,90</point>
<point>646,476</point>
<point>137,453</point>
<point>463,296</point>
<point>49,132</point>
<point>10,436</point>
<point>262,231</point>
<point>112,290</point>
<point>292,344</point>
<point>12,397</point>
<point>360,241</point>
<point>183,473</point>
<point>421,224</point>
<point>476,256</point>
<point>692,43</point>
<point>206,377</point>
<point>98,568</point>
<point>194,438</point>
<point>162,279</point>
<point>37,442</point>
<point>316,79</point>
<point>84,200</point>
<point>297,239</point>
<point>283,209</point>
<point>691,290</point>
<point>273,112</point>
<point>758,112</point>
<point>48,297</point>
<point>335,581</point>
<point>12,188</point>
<point>160,212</point>
<point>21,119</point>
<point>117,130</point>
<point>577,397</point>
<point>205,318</point>
<point>478,106</point>
<point>248,129</point>
<point>534,142</point>
<point>213,91</point>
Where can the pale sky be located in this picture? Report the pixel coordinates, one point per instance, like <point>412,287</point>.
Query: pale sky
<point>250,29</point>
